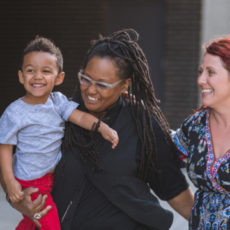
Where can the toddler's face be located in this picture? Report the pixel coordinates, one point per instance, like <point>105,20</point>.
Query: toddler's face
<point>39,75</point>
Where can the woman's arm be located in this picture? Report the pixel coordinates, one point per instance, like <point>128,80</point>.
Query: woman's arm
<point>170,183</point>
<point>183,203</point>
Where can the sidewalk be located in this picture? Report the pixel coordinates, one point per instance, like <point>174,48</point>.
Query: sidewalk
<point>9,218</point>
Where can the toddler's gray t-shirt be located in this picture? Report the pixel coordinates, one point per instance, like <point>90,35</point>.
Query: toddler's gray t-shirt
<point>37,132</point>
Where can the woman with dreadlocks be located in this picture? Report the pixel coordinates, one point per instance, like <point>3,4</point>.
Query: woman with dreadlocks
<point>98,187</point>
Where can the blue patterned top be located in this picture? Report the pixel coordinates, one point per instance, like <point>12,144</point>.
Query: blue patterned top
<point>211,176</point>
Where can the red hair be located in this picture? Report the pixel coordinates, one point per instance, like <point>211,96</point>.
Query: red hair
<point>221,48</point>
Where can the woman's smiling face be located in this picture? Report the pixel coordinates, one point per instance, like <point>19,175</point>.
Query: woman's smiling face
<point>102,69</point>
<point>214,82</point>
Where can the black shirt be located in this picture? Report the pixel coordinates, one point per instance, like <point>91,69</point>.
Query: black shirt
<point>116,198</point>
<point>94,209</point>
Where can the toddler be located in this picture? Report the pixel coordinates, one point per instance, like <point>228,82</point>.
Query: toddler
<point>35,124</point>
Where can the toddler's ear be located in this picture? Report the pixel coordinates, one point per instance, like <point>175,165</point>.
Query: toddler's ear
<point>60,78</point>
<point>20,77</point>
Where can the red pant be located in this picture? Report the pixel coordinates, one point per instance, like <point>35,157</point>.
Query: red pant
<point>49,221</point>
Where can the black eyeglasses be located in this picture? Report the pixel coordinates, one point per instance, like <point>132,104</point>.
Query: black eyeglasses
<point>87,81</point>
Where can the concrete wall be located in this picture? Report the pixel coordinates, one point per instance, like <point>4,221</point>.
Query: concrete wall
<point>215,21</point>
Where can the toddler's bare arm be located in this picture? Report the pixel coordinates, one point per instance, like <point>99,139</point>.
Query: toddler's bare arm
<point>12,186</point>
<point>86,121</point>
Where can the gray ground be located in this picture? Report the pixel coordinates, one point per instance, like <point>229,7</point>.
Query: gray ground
<point>9,217</point>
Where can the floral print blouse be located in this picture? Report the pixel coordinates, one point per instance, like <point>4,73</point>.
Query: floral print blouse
<point>211,176</point>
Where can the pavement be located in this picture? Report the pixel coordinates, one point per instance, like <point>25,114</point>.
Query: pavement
<point>9,217</point>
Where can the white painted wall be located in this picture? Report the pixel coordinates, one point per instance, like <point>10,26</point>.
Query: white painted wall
<point>215,20</point>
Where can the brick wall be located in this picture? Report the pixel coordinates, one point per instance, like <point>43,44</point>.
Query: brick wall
<point>71,24</point>
<point>182,48</point>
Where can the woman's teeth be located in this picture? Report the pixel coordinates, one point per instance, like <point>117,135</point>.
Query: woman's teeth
<point>92,98</point>
<point>206,91</point>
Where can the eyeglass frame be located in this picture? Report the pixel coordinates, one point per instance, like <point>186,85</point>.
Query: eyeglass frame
<point>93,82</point>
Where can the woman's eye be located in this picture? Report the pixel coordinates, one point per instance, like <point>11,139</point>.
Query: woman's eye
<point>85,80</point>
<point>210,72</point>
<point>101,85</point>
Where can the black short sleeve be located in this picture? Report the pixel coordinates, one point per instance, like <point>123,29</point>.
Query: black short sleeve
<point>169,181</point>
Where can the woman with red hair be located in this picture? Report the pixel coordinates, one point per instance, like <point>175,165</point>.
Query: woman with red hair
<point>204,140</point>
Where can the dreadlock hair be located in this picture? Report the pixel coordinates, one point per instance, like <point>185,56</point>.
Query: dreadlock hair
<point>123,49</point>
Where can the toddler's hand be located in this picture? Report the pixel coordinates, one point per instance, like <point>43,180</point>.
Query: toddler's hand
<point>14,191</point>
<point>109,134</point>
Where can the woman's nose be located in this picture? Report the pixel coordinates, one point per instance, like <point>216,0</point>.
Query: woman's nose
<point>92,88</point>
<point>201,79</point>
